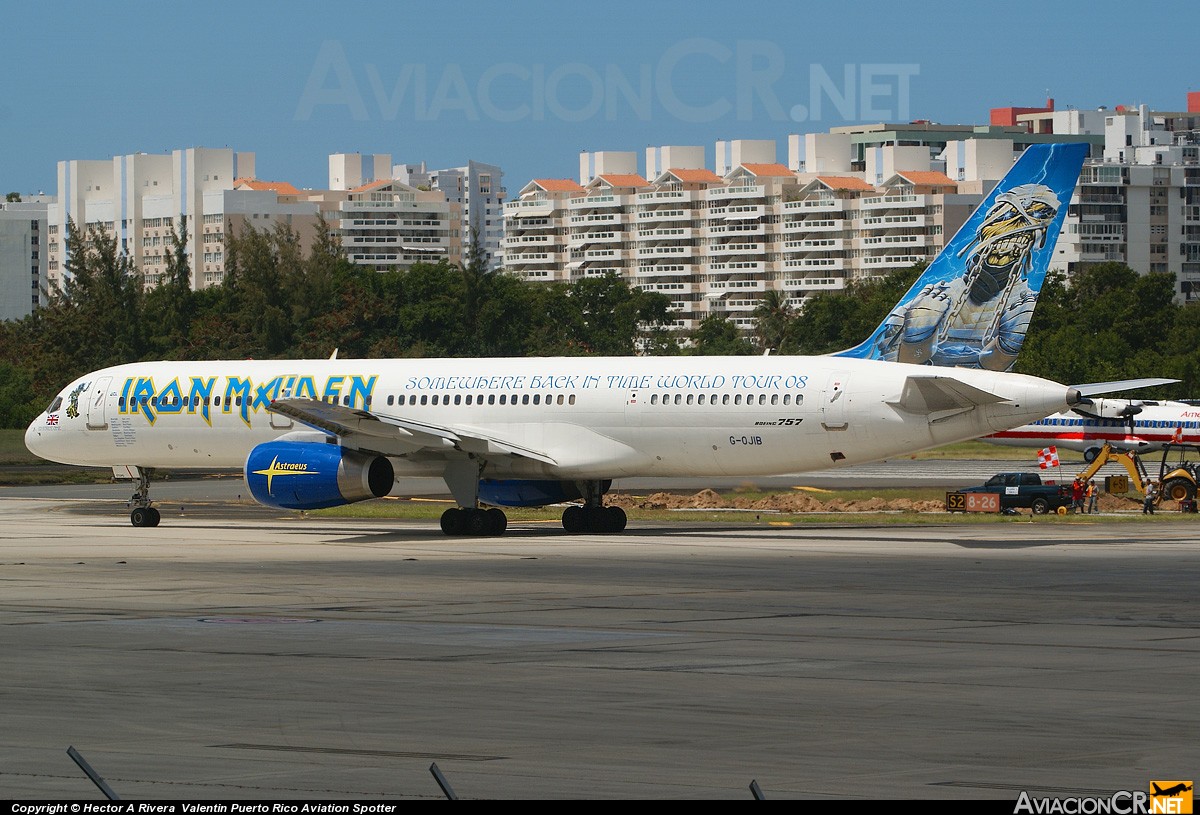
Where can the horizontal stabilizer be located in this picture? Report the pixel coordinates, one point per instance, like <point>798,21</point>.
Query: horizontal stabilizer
<point>1098,388</point>
<point>933,394</point>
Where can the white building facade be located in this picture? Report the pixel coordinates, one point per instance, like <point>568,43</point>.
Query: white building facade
<point>22,258</point>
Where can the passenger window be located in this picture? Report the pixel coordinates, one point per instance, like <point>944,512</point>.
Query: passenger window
<point>725,399</point>
<point>503,399</point>
<point>787,398</point>
<point>458,399</point>
<point>571,399</point>
<point>524,399</point>
<point>799,399</point>
<point>491,398</point>
<point>737,399</point>
<point>679,399</point>
<point>774,399</point>
<point>423,399</point>
<point>654,399</point>
<point>560,399</point>
<point>690,398</point>
<point>537,398</point>
<point>700,399</point>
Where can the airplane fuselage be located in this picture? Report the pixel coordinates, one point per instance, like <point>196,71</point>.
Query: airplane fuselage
<point>587,417</point>
<point>1156,425</point>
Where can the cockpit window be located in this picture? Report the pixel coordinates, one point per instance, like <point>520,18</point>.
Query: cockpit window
<point>55,405</point>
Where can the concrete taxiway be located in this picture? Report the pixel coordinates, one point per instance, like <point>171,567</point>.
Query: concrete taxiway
<point>236,652</point>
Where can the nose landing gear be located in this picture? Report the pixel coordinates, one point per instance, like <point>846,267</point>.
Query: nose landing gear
<point>142,513</point>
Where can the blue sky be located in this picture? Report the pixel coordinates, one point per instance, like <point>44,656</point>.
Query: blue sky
<point>527,85</point>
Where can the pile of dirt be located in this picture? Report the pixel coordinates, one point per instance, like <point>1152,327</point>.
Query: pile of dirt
<point>793,502</point>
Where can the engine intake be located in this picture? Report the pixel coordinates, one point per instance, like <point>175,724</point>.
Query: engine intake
<point>312,475</point>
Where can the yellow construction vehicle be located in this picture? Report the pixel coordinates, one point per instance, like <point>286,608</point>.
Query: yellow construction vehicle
<point>1177,477</point>
<point>1176,474</point>
<point>1133,465</point>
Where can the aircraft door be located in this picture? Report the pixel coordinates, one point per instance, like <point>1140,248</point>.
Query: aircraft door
<point>834,399</point>
<point>97,401</point>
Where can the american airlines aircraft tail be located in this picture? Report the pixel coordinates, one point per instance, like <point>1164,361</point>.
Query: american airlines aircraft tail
<point>524,432</point>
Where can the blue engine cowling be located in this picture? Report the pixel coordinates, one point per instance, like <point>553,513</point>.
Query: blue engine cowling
<point>519,493</point>
<point>312,475</point>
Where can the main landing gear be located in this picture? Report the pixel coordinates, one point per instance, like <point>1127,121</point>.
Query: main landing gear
<point>462,477</point>
<point>142,513</point>
<point>577,519</point>
<point>592,516</point>
<point>477,522</point>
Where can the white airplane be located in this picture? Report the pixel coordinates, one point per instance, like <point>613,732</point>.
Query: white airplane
<point>1141,426</point>
<point>523,432</point>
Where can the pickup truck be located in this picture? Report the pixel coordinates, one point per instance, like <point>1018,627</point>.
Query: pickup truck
<point>1026,490</point>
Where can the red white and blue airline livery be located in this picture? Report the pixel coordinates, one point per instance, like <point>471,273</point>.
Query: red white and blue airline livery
<point>1141,426</point>
<point>512,432</point>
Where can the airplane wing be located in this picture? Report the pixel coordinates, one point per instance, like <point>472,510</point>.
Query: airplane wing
<point>389,435</point>
<point>939,394</point>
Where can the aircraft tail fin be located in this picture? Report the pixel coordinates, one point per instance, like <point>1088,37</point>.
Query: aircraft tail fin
<point>972,305</point>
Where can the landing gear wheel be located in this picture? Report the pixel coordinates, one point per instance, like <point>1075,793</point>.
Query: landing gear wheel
<point>615,519</point>
<point>497,522</point>
<point>595,519</point>
<point>573,519</point>
<point>478,522</point>
<point>453,522</point>
<point>144,516</point>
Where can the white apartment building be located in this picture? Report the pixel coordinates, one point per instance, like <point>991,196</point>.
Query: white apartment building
<point>670,237</point>
<point>744,244</point>
<point>714,244</point>
<point>138,198</point>
<point>535,231</point>
<point>601,226</point>
<point>22,258</point>
<point>477,190</point>
<point>388,225</point>
<point>1139,204</point>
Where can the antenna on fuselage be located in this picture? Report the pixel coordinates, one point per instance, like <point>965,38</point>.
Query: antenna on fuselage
<point>334,354</point>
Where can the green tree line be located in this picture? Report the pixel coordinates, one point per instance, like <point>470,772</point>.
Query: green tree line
<point>279,300</point>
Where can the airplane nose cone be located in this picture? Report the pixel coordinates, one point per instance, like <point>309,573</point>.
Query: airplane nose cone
<point>31,437</point>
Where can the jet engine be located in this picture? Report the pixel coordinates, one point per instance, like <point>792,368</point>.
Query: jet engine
<point>313,475</point>
<point>1124,409</point>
